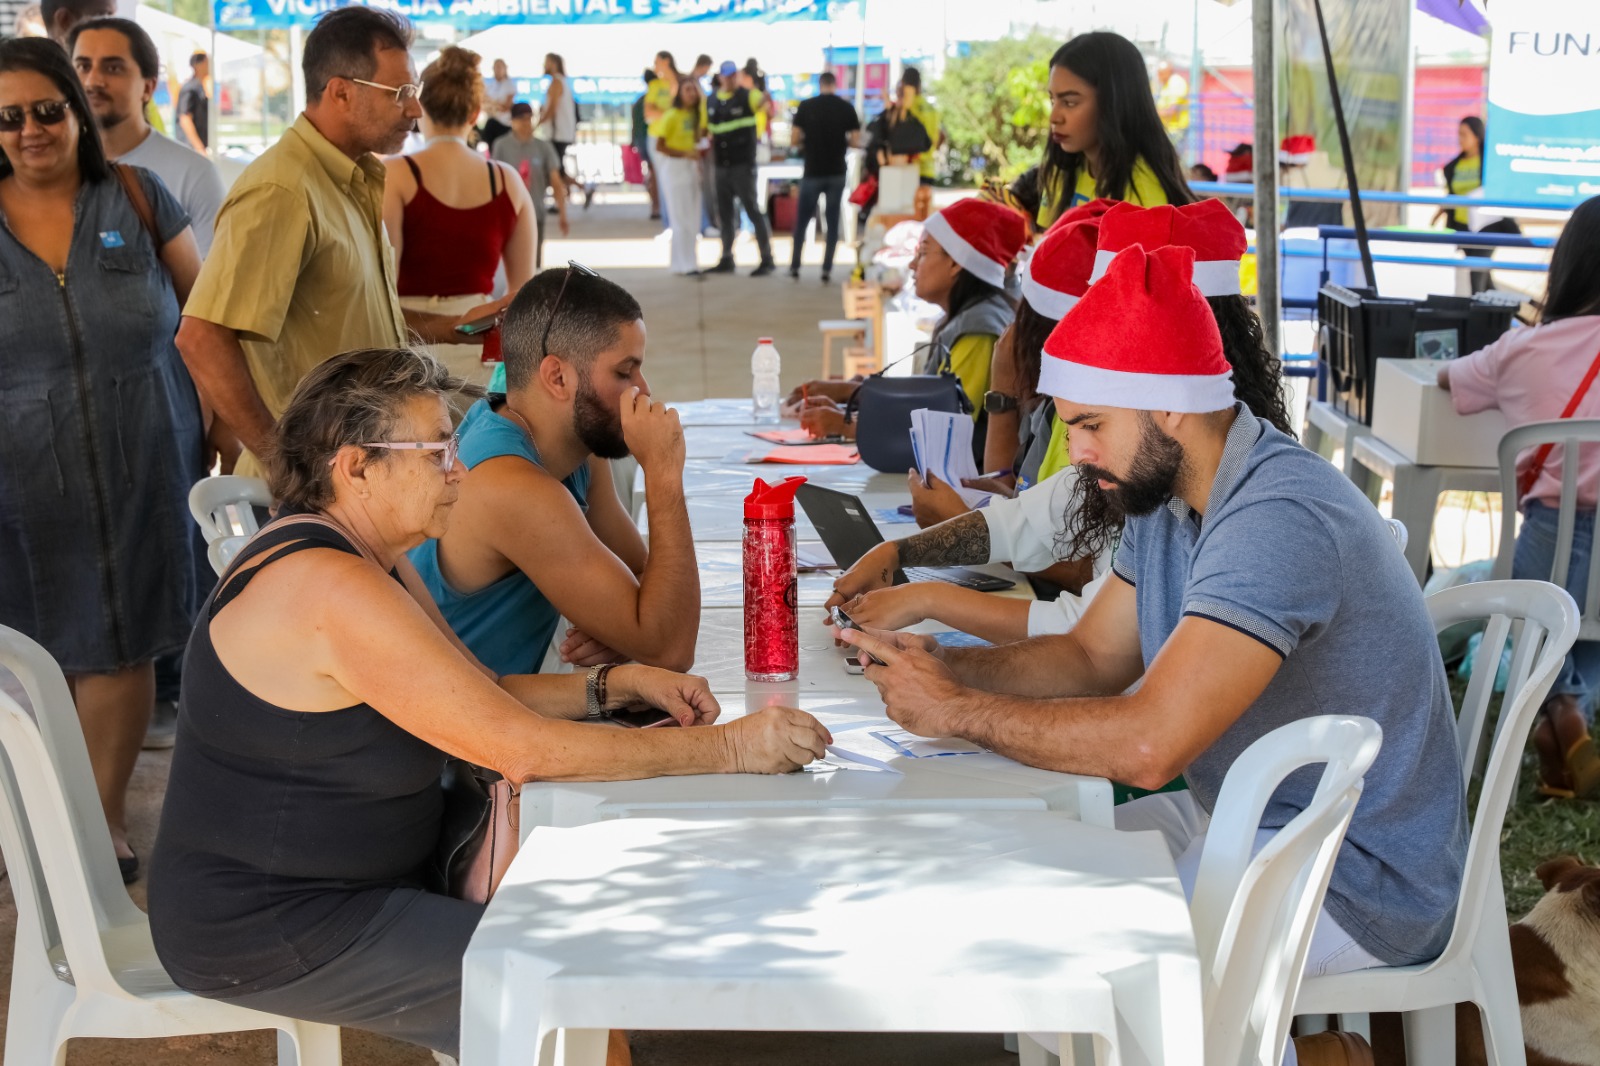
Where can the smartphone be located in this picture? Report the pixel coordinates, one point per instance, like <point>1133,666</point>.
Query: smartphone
<point>641,717</point>
<point>844,621</point>
<point>852,665</point>
<point>479,325</point>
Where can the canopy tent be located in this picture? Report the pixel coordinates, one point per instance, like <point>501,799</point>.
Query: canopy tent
<point>481,14</point>
<point>596,51</point>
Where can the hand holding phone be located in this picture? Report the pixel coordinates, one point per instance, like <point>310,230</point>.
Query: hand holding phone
<point>480,325</point>
<point>844,621</point>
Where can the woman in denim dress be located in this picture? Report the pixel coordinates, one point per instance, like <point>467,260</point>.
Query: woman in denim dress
<point>100,425</point>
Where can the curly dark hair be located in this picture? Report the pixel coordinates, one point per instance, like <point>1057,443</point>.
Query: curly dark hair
<point>1029,331</point>
<point>1092,520</point>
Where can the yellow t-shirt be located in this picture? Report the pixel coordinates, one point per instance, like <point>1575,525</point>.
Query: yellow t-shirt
<point>926,114</point>
<point>1145,190</point>
<point>970,358</point>
<point>680,129</point>
<point>1056,458</point>
<point>659,94</point>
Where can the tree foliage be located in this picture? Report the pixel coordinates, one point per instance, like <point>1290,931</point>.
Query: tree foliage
<point>996,107</point>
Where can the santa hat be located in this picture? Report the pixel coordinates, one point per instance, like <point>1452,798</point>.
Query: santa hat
<point>1241,165</point>
<point>1142,338</point>
<point>1296,151</point>
<point>1208,227</point>
<point>982,237</point>
<point>1057,274</point>
<point>1092,209</point>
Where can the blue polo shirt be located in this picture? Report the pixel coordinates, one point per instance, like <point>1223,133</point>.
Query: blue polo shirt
<point>1291,554</point>
<point>507,624</point>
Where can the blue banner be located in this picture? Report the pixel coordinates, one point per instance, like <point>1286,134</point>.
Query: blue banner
<point>481,14</point>
<point>1544,102</point>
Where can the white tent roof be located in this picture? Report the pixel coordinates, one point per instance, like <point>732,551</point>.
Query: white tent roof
<point>626,50</point>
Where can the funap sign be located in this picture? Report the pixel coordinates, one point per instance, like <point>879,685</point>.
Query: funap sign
<point>480,14</point>
<point>1544,101</point>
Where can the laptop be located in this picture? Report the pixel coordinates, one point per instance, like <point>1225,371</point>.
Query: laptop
<point>848,532</point>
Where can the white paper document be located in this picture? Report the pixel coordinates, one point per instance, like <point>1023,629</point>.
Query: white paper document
<point>942,444</point>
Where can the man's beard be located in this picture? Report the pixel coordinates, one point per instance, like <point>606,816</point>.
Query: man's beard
<point>1150,480</point>
<point>598,429</point>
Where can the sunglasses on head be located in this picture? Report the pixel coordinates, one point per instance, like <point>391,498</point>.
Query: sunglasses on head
<point>45,113</point>
<point>573,267</point>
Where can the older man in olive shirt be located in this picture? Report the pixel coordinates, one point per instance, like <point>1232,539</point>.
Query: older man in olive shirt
<point>301,269</point>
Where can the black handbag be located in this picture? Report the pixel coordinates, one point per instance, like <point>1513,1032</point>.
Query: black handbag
<point>881,410</point>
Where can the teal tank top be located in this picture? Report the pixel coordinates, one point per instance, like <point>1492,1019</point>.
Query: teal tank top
<point>508,624</point>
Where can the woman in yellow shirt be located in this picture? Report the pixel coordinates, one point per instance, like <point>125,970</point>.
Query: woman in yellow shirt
<point>678,135</point>
<point>1106,137</point>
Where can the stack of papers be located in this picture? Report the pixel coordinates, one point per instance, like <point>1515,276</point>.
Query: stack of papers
<point>942,443</point>
<point>874,744</point>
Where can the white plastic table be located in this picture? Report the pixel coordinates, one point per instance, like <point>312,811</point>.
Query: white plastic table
<point>961,921</point>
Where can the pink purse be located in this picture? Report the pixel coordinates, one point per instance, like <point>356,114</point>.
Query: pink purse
<point>479,837</point>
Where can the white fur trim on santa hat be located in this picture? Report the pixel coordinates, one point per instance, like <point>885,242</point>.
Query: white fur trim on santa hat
<point>1093,385</point>
<point>1213,277</point>
<point>1048,302</point>
<point>966,256</point>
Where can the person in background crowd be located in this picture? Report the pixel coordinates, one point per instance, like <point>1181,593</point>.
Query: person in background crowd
<point>709,83</point>
<point>658,98</point>
<point>296,870</point>
<point>539,531</point>
<point>733,117</point>
<point>452,217</point>
<point>1531,375</point>
<point>910,104</point>
<point>1172,101</point>
<point>500,92</point>
<point>301,267</point>
<point>118,64</point>
<point>1462,175</point>
<point>1106,138</point>
<point>30,22</point>
<point>678,160</point>
<point>824,127</point>
<point>61,15</point>
<point>102,431</point>
<point>192,115</point>
<point>641,145</point>
<point>1213,632</point>
<point>539,165</point>
<point>1201,172</point>
<point>960,266</point>
<point>558,119</point>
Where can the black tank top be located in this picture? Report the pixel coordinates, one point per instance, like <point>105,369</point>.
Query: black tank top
<point>282,831</point>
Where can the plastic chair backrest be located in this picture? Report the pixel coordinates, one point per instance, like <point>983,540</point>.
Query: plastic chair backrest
<point>1567,434</point>
<point>1254,913</point>
<point>222,505</point>
<point>1540,621</point>
<point>58,849</point>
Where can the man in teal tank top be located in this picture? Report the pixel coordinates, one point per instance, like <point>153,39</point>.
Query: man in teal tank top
<point>538,532</point>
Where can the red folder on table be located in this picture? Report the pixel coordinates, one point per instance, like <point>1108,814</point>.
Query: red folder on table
<point>810,455</point>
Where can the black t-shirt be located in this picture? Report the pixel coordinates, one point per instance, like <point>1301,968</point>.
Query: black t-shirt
<point>827,121</point>
<point>192,102</point>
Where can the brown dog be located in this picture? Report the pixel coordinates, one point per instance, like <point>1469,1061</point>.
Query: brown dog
<point>1555,952</point>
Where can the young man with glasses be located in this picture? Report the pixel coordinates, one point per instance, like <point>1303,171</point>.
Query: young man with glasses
<point>538,531</point>
<point>301,268</point>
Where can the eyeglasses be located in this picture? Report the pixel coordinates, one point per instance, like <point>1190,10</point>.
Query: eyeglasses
<point>403,94</point>
<point>451,449</point>
<point>45,113</point>
<point>573,267</point>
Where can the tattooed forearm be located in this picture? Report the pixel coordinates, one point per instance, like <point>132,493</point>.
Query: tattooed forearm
<point>959,541</point>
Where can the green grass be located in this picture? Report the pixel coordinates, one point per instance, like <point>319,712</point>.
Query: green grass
<point>1537,829</point>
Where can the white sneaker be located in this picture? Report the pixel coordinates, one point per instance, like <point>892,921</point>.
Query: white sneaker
<point>664,235</point>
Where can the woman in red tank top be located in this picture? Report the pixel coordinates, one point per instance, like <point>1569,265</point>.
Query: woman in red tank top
<point>455,217</point>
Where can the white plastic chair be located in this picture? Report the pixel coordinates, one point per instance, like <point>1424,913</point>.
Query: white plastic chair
<point>1567,435</point>
<point>1254,911</point>
<point>1541,622</point>
<point>223,508</point>
<point>84,964</point>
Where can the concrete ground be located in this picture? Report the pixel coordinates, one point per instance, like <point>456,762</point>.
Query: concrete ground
<point>701,332</point>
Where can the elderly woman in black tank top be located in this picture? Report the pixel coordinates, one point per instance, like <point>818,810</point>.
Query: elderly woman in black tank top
<point>292,872</point>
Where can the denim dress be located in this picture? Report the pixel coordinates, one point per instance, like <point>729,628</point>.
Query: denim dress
<point>100,439</point>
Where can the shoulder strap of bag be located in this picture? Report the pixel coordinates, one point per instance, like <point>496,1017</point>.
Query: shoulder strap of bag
<point>1542,455</point>
<point>141,203</point>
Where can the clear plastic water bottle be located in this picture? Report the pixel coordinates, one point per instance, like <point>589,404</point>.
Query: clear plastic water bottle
<point>764,367</point>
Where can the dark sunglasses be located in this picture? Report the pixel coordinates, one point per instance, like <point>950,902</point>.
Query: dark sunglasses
<point>45,113</point>
<point>573,267</point>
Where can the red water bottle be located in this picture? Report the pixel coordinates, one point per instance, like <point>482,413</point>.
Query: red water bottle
<point>771,625</point>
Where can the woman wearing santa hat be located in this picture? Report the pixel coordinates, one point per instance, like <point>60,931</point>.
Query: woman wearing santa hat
<point>960,265</point>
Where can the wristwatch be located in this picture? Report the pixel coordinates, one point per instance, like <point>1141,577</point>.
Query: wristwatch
<point>594,691</point>
<point>998,402</point>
